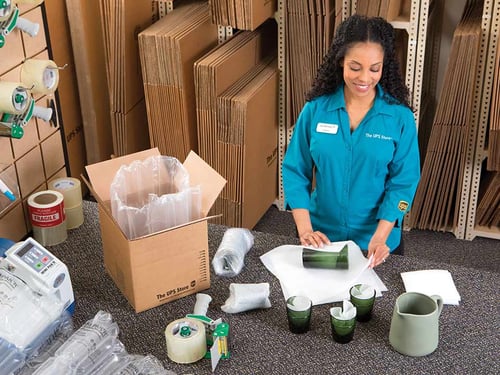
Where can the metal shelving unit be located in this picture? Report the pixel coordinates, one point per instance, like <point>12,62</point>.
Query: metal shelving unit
<point>476,147</point>
<point>283,135</point>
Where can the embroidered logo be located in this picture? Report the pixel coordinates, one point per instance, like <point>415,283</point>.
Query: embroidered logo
<point>403,205</point>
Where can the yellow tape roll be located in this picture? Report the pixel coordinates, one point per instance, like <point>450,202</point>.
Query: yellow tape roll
<point>186,340</point>
<point>43,75</point>
<point>14,98</point>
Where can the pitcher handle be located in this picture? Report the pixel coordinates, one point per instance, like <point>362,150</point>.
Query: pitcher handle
<point>439,302</point>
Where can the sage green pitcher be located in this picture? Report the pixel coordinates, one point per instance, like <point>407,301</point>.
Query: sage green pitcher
<point>415,324</point>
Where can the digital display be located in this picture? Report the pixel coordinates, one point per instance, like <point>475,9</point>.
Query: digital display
<point>23,250</point>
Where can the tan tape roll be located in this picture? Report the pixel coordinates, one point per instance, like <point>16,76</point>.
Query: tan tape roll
<point>70,188</point>
<point>13,98</point>
<point>43,75</point>
<point>186,340</point>
<point>47,217</point>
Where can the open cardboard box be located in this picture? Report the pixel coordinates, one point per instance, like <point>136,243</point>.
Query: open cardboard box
<point>160,267</point>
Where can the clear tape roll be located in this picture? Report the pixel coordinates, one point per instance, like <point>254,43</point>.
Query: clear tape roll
<point>186,340</point>
<point>51,236</point>
<point>70,188</point>
<point>6,10</point>
<point>74,216</point>
<point>43,75</point>
<point>47,217</point>
<point>13,97</point>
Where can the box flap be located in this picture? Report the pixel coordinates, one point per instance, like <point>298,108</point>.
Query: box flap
<point>101,174</point>
<point>200,173</point>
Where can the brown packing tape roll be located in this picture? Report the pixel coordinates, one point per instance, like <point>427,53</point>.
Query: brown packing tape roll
<point>47,217</point>
<point>70,188</point>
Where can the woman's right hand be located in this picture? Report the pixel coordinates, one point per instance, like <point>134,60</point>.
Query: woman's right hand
<point>308,236</point>
<point>314,239</point>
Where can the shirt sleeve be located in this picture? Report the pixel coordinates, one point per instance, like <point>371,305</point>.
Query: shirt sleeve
<point>404,173</point>
<point>297,166</point>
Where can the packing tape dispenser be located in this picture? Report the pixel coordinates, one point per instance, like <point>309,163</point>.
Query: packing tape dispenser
<point>197,336</point>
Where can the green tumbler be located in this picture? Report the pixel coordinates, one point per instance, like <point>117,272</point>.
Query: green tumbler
<point>325,259</point>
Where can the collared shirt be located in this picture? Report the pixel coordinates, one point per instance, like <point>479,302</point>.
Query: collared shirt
<point>360,177</point>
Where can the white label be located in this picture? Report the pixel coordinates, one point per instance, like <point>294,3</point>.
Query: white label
<point>323,127</point>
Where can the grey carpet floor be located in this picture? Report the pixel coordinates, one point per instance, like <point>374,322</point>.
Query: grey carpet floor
<point>260,340</point>
<point>480,253</point>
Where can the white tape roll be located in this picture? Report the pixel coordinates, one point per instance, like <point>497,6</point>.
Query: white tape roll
<point>13,97</point>
<point>47,217</point>
<point>186,340</point>
<point>42,74</point>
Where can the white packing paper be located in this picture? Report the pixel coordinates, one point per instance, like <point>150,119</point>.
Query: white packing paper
<point>320,285</point>
<point>346,312</point>
<point>432,282</point>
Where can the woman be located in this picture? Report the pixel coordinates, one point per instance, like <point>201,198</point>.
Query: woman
<point>356,139</point>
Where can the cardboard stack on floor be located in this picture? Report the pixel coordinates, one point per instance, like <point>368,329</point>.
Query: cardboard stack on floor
<point>168,49</point>
<point>494,131</point>
<point>488,210</point>
<point>243,148</point>
<point>309,29</point>
<point>436,204</point>
<point>121,21</point>
<point>247,144</point>
<point>388,9</point>
<point>242,14</point>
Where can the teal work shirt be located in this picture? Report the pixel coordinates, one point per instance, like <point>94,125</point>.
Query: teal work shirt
<point>360,177</point>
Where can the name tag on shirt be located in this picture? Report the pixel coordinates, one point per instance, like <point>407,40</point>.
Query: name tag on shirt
<point>323,127</point>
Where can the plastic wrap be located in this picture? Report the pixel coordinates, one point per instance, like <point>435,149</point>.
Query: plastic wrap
<point>51,342</point>
<point>116,363</point>
<point>87,347</point>
<point>147,365</point>
<point>117,359</point>
<point>244,297</point>
<point>24,314</point>
<point>152,195</point>
<point>11,358</point>
<point>230,256</point>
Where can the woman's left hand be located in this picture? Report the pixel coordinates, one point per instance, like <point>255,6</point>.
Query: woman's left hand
<point>380,252</point>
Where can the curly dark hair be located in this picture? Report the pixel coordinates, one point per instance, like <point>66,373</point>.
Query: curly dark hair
<point>357,29</point>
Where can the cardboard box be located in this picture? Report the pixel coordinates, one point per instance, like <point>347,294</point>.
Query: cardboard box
<point>164,266</point>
